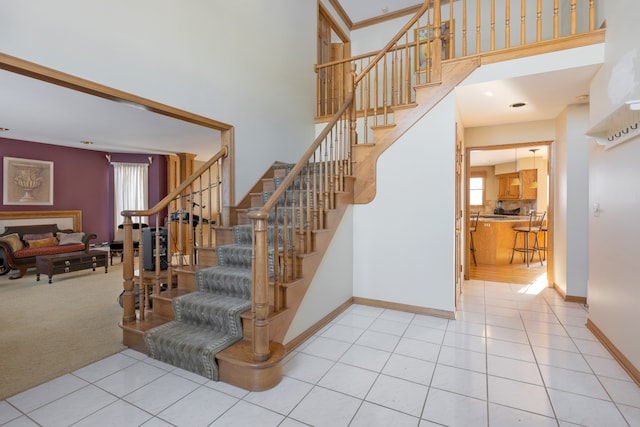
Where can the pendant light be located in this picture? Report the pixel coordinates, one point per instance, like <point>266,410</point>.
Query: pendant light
<point>516,180</point>
<point>534,184</point>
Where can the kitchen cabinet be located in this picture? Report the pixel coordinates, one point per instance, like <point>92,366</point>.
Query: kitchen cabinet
<point>527,178</point>
<point>506,191</point>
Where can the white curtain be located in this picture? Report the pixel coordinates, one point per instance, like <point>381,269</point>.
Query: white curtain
<point>131,188</point>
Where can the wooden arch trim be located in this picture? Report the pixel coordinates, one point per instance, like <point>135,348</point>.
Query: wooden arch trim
<point>39,72</point>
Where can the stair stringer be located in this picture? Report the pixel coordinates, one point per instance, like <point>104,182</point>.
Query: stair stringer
<point>427,96</point>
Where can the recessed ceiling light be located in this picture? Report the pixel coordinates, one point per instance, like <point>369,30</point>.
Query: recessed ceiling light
<point>488,93</point>
<point>385,9</point>
<point>582,98</point>
<point>86,142</point>
<point>518,104</point>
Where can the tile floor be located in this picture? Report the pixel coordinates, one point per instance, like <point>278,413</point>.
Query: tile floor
<point>516,355</point>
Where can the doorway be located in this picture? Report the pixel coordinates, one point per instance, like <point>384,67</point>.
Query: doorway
<point>500,211</point>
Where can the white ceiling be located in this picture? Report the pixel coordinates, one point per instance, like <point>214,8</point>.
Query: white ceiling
<point>34,110</point>
<point>37,111</point>
<point>361,10</point>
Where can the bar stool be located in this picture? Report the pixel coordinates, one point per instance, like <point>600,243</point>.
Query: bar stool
<point>536,219</point>
<point>543,248</point>
<point>473,226</point>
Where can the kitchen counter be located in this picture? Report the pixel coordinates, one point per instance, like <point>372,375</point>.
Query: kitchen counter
<point>494,238</point>
<point>504,218</point>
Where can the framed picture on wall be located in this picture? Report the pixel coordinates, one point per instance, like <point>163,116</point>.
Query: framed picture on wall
<point>27,182</point>
<point>424,45</point>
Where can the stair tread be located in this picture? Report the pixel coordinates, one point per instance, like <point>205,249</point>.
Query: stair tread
<point>150,321</point>
<point>169,294</point>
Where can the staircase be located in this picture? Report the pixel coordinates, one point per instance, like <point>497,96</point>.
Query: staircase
<point>229,315</point>
<point>208,321</point>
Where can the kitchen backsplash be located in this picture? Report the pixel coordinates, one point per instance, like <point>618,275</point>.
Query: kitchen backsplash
<point>491,205</point>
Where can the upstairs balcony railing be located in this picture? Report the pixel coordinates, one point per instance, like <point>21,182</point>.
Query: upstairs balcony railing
<point>443,31</point>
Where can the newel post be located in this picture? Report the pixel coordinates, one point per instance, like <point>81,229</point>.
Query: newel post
<point>128,299</point>
<point>260,284</point>
<point>436,75</point>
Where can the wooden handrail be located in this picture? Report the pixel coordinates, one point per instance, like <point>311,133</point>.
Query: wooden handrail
<point>162,204</point>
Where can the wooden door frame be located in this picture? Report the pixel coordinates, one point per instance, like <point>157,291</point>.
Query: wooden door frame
<point>550,195</point>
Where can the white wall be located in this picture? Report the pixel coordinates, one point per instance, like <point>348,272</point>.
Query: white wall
<point>618,81</point>
<point>542,130</point>
<point>333,282</point>
<point>614,235</point>
<point>246,63</point>
<point>403,239</point>
<point>614,294</point>
<point>571,237</point>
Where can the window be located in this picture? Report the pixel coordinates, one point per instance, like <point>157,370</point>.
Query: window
<point>130,187</point>
<point>477,189</point>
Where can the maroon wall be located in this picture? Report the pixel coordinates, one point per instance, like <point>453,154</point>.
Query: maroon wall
<point>83,180</point>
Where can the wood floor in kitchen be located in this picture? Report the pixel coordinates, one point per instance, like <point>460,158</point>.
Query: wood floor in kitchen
<point>512,273</point>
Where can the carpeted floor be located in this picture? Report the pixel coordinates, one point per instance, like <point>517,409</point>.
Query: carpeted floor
<point>47,330</point>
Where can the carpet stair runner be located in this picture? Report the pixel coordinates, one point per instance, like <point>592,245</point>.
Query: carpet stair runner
<point>208,320</point>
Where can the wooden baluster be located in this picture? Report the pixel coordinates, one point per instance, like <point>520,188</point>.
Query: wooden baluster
<point>450,36</point>
<point>365,136</point>
<point>318,93</point>
<point>573,17</point>
<point>464,27</point>
<point>219,196</point>
<point>385,92</point>
<point>539,21</point>
<point>492,28</point>
<point>316,197</point>
<point>311,220</point>
<point>394,77</point>
<point>555,19</point>
<point>189,228</point>
<point>478,45</point>
<point>283,268</point>
<point>507,24</point>
<point>375,95</point>
<point>437,40</point>
<point>341,161</point>
<point>327,83</point>
<point>260,273</point>
<point>592,15</point>
<point>168,249</point>
<point>336,167</point>
<point>523,19</point>
<point>407,70</point>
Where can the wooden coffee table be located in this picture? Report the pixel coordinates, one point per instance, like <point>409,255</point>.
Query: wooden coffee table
<point>71,261</point>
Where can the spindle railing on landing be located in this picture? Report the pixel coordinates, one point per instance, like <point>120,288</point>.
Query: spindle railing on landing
<point>442,31</point>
